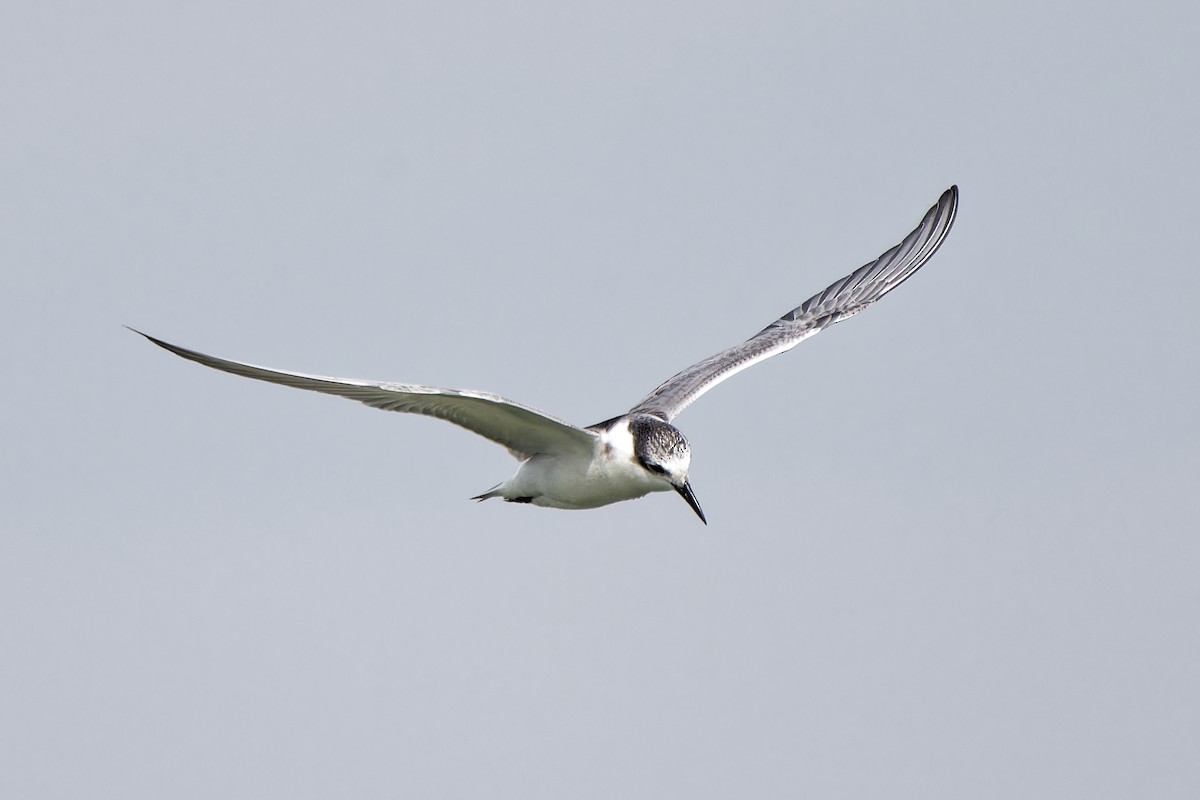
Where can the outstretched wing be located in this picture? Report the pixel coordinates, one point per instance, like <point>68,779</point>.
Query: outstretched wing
<point>842,300</point>
<point>524,431</point>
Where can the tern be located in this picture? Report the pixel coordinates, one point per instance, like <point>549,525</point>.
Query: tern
<point>640,451</point>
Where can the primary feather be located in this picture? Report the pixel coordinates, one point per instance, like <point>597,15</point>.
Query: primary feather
<point>523,430</point>
<point>840,300</point>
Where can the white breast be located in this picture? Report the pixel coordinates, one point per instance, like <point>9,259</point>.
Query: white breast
<point>561,481</point>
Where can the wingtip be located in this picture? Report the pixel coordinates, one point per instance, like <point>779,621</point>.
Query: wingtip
<point>164,345</point>
<point>140,333</point>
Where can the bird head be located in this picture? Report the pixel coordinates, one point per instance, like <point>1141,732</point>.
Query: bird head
<point>663,452</point>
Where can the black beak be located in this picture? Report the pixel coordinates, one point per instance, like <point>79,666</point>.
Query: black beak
<point>686,493</point>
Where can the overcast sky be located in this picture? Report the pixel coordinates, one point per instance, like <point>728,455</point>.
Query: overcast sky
<point>953,544</point>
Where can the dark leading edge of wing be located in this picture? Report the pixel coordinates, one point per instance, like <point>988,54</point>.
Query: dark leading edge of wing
<point>841,300</point>
<point>523,430</point>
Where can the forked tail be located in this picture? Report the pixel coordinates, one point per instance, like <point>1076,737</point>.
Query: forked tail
<point>490,493</point>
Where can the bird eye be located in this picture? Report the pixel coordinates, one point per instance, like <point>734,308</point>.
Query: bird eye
<point>661,470</point>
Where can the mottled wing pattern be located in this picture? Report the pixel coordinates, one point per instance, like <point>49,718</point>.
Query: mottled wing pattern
<point>524,431</point>
<point>841,300</point>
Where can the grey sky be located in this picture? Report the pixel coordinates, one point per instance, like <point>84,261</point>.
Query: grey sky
<point>953,544</point>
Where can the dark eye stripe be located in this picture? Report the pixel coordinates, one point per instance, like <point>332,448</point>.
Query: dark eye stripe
<point>652,467</point>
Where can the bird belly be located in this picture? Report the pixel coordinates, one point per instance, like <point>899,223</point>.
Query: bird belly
<point>557,481</point>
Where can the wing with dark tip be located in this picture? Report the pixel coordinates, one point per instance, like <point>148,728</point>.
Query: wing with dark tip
<point>840,301</point>
<point>524,431</point>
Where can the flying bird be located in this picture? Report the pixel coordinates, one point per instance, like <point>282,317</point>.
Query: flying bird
<point>640,451</point>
